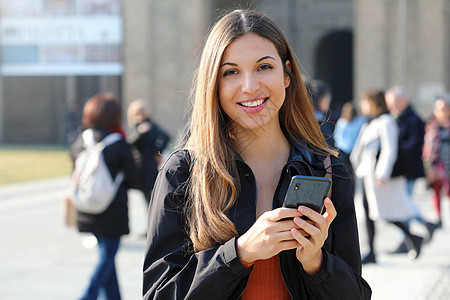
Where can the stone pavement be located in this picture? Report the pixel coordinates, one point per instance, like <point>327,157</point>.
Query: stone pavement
<point>42,259</point>
<point>398,277</point>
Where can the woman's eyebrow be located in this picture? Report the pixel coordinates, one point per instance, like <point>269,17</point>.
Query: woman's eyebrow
<point>228,64</point>
<point>234,64</point>
<point>265,57</point>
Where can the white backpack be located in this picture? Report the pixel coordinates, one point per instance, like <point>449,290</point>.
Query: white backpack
<point>92,186</point>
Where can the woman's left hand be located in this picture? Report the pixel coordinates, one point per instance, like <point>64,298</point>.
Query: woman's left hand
<point>310,252</point>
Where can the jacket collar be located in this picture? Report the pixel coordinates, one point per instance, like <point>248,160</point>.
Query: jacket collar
<point>405,113</point>
<point>299,151</point>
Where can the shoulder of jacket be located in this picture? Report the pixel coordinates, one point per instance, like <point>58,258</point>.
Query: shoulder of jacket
<point>120,143</point>
<point>340,168</point>
<point>176,170</point>
<point>178,159</point>
<point>385,118</point>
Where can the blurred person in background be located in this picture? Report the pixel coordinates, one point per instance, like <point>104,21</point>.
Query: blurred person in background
<point>320,94</point>
<point>150,141</point>
<point>345,134</point>
<point>373,158</point>
<point>411,134</point>
<point>409,161</point>
<point>436,152</point>
<point>347,129</point>
<point>102,115</point>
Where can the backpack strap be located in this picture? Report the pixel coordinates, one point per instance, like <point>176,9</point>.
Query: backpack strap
<point>89,139</point>
<point>328,171</point>
<point>111,139</point>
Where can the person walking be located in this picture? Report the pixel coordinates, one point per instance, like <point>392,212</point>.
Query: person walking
<point>436,153</point>
<point>216,226</point>
<point>411,134</point>
<point>409,161</point>
<point>101,117</point>
<point>373,158</point>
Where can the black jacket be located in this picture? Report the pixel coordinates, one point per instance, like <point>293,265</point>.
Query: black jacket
<point>113,222</point>
<point>410,143</point>
<point>172,271</point>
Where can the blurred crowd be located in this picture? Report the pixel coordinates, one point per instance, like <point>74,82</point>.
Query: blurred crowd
<point>387,146</point>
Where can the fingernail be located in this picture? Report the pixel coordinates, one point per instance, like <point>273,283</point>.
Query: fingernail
<point>298,220</point>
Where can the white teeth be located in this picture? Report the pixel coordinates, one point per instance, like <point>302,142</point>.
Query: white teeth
<point>252,103</point>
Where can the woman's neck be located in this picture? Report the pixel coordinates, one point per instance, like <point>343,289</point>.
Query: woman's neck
<point>262,145</point>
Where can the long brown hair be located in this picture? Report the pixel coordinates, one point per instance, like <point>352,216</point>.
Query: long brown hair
<point>214,184</point>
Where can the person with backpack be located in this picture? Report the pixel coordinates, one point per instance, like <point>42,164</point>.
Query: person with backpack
<point>101,146</point>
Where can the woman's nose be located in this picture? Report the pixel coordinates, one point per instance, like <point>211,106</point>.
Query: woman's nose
<point>250,83</point>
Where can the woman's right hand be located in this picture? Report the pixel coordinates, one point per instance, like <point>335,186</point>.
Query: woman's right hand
<point>268,236</point>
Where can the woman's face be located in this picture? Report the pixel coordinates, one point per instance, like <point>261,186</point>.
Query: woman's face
<point>366,107</point>
<point>252,82</point>
<point>140,115</point>
<point>442,112</point>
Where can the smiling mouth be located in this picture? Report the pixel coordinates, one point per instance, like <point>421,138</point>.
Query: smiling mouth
<point>254,103</point>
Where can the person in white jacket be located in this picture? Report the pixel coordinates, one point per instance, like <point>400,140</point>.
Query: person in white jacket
<point>373,158</point>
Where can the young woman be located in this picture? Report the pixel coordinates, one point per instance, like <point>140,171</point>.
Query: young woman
<point>216,226</point>
<point>373,158</point>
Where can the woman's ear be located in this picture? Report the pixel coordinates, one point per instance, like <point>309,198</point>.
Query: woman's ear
<point>287,78</point>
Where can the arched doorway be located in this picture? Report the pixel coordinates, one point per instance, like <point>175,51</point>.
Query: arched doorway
<point>334,65</point>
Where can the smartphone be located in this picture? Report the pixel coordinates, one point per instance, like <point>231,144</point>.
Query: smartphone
<point>307,191</point>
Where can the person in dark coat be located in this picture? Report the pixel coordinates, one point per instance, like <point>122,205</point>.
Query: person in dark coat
<point>320,94</point>
<point>411,136</point>
<point>102,114</point>
<point>149,141</point>
<point>409,161</point>
<point>217,228</point>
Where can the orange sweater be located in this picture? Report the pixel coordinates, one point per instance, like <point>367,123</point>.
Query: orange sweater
<point>266,281</point>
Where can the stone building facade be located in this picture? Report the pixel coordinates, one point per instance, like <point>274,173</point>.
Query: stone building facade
<point>404,42</point>
<point>351,44</point>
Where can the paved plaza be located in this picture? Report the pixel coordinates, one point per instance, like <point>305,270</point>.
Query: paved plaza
<point>42,259</point>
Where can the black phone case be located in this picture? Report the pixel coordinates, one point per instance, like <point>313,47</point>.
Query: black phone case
<point>307,191</point>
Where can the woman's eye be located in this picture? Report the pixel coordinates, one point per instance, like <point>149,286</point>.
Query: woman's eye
<point>229,72</point>
<point>265,67</point>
